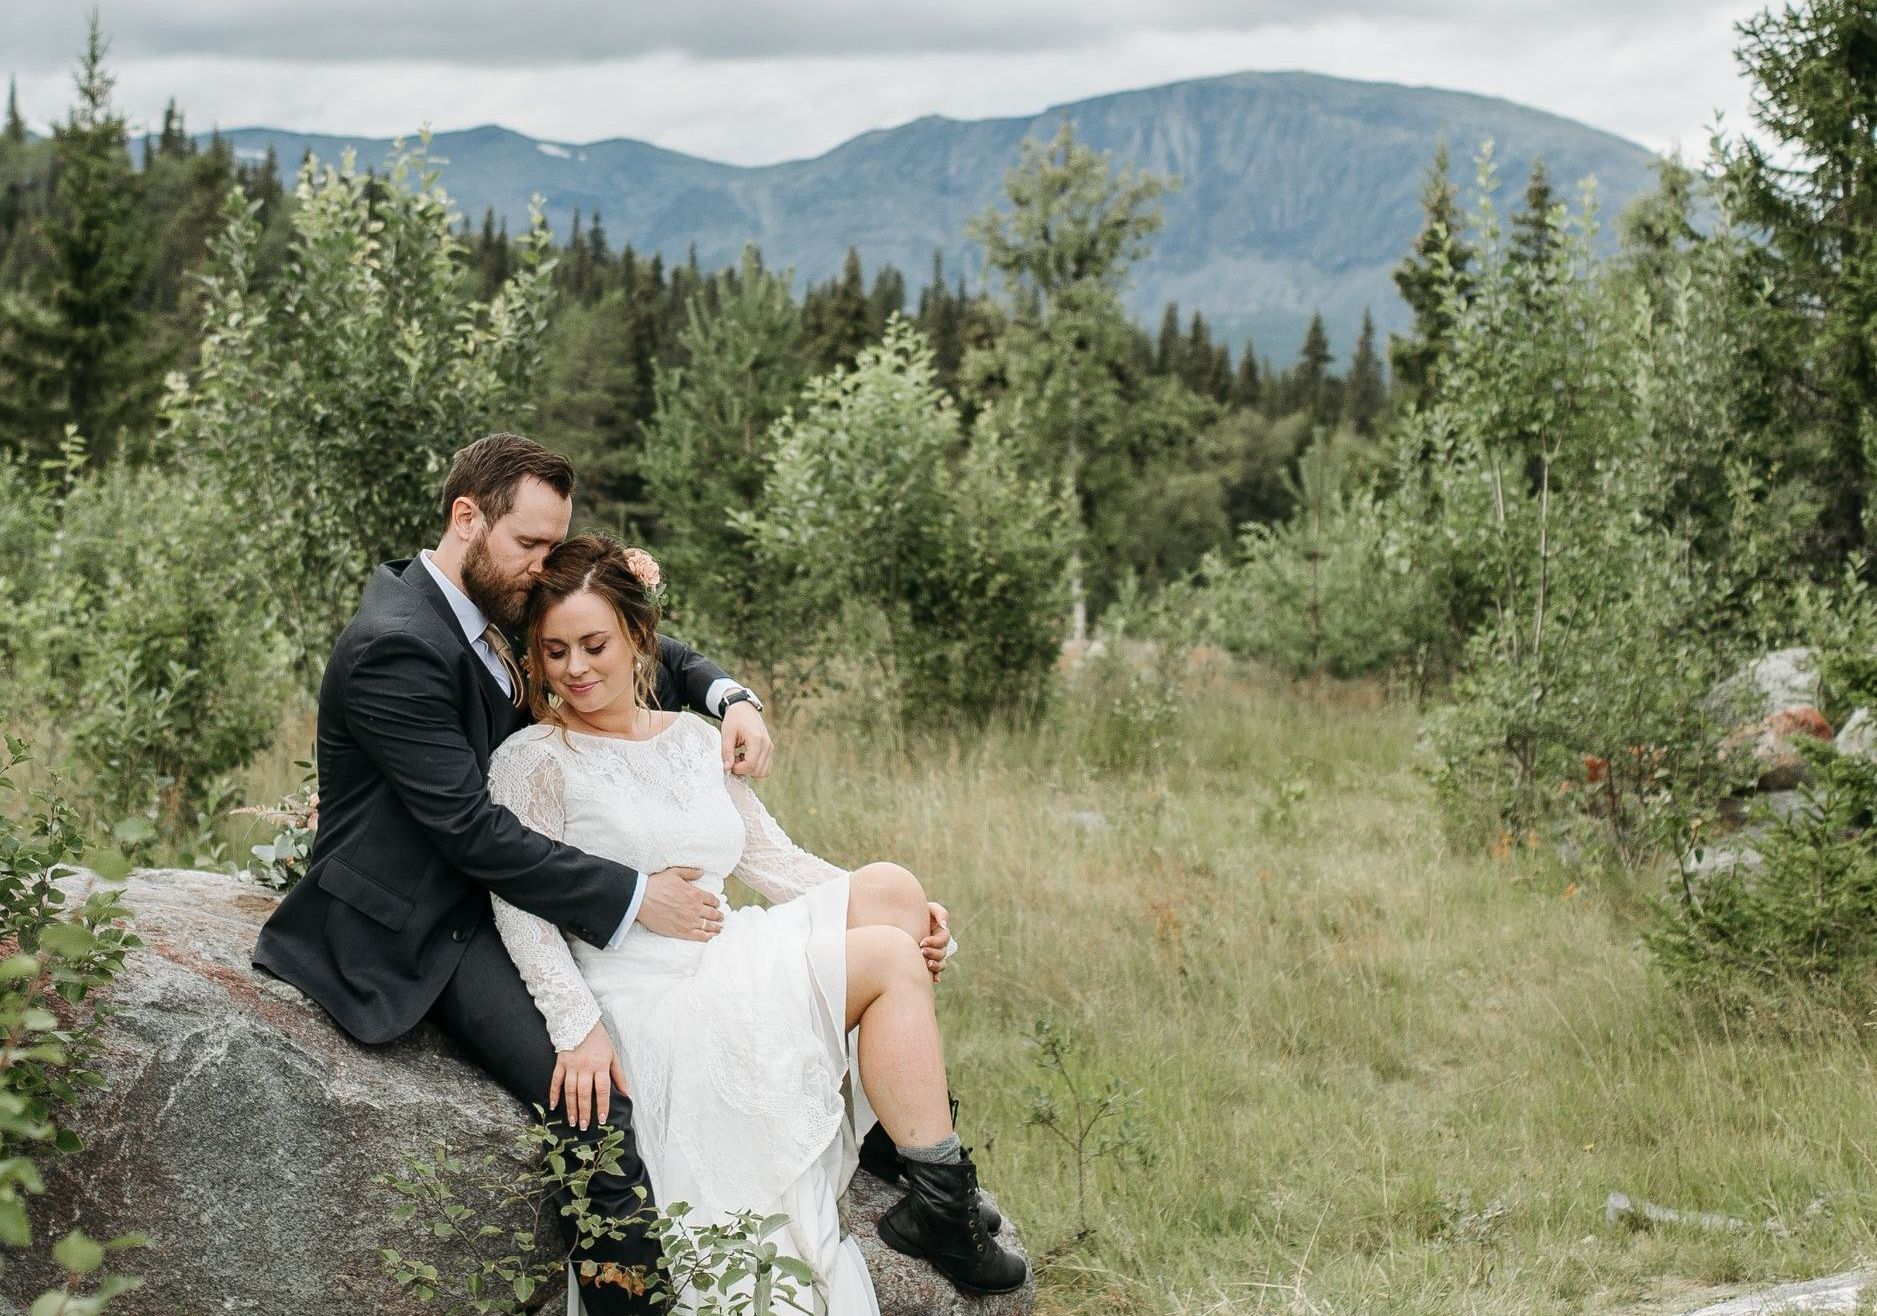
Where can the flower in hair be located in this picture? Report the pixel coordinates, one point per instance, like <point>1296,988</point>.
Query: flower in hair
<point>642,565</point>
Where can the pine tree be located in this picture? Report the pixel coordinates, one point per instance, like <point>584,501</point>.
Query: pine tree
<point>15,132</point>
<point>836,323</point>
<point>99,244</point>
<point>173,141</point>
<point>1534,232</point>
<point>1365,392</point>
<point>1441,261</point>
<point>1310,389</point>
<point>1812,187</point>
<point>1247,382</point>
<point>1196,365</point>
<point>887,299</point>
<point>1169,349</point>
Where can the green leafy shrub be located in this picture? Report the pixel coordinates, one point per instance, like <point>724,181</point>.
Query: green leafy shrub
<point>878,501</point>
<point>328,401</point>
<point>1122,702</point>
<point>28,515</point>
<point>1329,591</point>
<point>1093,1119</point>
<point>146,652</point>
<point>1793,924</point>
<point>51,1021</point>
<point>281,862</point>
<point>728,1268</point>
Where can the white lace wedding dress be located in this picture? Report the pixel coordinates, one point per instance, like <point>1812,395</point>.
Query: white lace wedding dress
<point>734,1049</point>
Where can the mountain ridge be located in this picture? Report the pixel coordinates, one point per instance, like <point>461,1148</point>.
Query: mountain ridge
<point>1300,191</point>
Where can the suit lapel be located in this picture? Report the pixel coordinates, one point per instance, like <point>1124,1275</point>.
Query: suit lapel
<point>496,705</point>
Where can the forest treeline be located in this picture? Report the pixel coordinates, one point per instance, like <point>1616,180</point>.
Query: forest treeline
<point>103,242</point>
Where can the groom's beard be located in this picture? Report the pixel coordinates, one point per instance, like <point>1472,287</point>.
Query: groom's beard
<point>502,601</point>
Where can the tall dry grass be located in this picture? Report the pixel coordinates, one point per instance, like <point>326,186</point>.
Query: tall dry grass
<point>1379,1072</point>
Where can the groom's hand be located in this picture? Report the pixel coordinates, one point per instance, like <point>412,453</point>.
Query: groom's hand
<point>589,1074</point>
<point>747,748</point>
<point>675,906</point>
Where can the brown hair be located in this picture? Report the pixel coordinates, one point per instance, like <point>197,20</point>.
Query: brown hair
<point>491,469</point>
<point>597,565</point>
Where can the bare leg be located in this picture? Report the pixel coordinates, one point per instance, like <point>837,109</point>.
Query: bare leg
<point>902,1062</point>
<point>886,895</point>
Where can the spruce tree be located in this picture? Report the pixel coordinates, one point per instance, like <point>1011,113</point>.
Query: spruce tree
<point>1365,392</point>
<point>1310,389</point>
<point>941,320</point>
<point>1441,261</point>
<point>836,323</point>
<point>1169,349</point>
<point>173,141</point>
<point>1247,382</point>
<point>1812,187</point>
<point>1199,369</point>
<point>1534,235</point>
<point>15,132</point>
<point>99,246</point>
<point>707,454</point>
<point>887,299</point>
<point>597,251</point>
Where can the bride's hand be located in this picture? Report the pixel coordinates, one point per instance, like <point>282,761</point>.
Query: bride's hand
<point>590,1074</point>
<point>938,937</point>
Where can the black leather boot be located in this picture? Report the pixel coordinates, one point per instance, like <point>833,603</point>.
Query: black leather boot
<point>881,1159</point>
<point>938,1219</point>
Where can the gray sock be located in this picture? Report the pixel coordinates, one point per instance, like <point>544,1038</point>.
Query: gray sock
<point>947,1152</point>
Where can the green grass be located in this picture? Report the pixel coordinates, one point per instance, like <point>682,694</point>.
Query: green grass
<point>1378,1072</point>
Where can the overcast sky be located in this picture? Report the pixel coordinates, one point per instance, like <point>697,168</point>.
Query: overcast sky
<point>755,81</point>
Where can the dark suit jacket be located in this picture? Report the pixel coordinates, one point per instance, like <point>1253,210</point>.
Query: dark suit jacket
<point>409,843</point>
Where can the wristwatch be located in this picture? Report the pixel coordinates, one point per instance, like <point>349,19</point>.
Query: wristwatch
<point>740,696</point>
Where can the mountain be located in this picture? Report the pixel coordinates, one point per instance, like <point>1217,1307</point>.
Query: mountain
<point>1299,191</point>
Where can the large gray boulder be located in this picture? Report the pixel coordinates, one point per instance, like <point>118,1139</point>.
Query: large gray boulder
<point>1785,678</point>
<point>241,1132</point>
<point>1858,736</point>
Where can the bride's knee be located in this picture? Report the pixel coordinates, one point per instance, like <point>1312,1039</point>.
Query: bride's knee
<point>895,893</point>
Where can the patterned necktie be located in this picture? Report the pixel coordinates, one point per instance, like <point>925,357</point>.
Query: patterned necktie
<point>499,642</point>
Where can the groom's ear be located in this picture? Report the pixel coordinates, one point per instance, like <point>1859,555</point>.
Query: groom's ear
<point>464,514</point>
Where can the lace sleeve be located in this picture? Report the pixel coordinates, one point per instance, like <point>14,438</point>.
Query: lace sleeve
<point>771,863</point>
<point>530,785</point>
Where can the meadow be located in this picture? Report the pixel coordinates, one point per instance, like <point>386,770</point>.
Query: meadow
<point>1376,1071</point>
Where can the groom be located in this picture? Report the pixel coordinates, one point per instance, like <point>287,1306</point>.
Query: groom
<point>391,924</point>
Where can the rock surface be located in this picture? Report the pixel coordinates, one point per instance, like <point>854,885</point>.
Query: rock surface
<point>1832,1293</point>
<point>1784,678</point>
<point>1770,745</point>
<point>240,1131</point>
<point>1858,735</point>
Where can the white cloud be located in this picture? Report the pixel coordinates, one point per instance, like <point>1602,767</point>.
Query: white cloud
<point>673,77</point>
<point>497,32</point>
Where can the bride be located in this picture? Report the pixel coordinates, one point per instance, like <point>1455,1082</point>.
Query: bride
<point>733,1045</point>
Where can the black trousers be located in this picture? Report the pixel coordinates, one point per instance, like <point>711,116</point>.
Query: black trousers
<point>486,1011</point>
